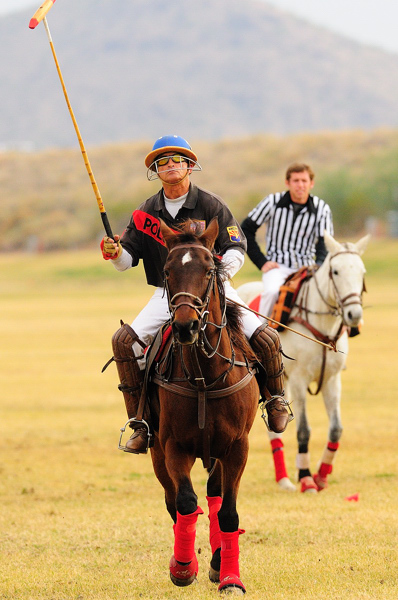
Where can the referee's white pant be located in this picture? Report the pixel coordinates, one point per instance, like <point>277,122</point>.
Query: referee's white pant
<point>272,281</point>
<point>156,313</point>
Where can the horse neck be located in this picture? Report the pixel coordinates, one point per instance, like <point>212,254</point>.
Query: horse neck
<point>318,296</point>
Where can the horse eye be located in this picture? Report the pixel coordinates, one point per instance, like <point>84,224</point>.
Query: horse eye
<point>166,272</point>
<point>335,272</point>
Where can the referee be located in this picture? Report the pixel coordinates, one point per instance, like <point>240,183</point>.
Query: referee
<point>295,222</point>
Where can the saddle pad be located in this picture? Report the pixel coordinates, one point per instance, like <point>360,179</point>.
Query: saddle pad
<point>287,296</point>
<point>165,337</point>
<point>255,303</point>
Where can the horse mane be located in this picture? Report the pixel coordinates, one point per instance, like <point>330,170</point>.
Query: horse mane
<point>189,232</point>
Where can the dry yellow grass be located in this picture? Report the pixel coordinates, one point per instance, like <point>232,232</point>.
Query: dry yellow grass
<point>80,520</point>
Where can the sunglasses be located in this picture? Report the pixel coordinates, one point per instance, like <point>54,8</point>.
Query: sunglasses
<point>176,158</point>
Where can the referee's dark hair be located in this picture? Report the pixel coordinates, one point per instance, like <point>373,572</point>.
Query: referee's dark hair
<point>299,168</point>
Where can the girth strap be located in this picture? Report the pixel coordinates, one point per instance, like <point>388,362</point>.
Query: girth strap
<point>178,389</point>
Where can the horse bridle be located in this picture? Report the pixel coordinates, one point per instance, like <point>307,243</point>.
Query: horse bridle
<point>199,305</point>
<point>342,303</point>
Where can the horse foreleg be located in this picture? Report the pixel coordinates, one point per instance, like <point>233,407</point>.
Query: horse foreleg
<point>307,484</point>
<point>232,469</point>
<point>183,563</point>
<point>214,502</point>
<point>331,397</point>
<point>278,455</point>
<point>159,467</point>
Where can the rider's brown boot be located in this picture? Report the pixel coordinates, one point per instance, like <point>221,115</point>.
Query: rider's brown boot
<point>131,383</point>
<point>279,415</point>
<point>138,442</point>
<point>265,342</point>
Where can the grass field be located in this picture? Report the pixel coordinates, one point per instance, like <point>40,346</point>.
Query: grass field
<point>80,520</point>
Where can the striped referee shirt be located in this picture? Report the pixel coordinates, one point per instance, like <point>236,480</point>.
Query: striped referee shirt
<point>294,235</point>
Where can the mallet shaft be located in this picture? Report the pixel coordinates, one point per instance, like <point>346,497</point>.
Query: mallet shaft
<point>101,206</point>
<point>40,15</point>
<point>328,346</point>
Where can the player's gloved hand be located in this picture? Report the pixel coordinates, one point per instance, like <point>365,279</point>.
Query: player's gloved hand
<point>111,248</point>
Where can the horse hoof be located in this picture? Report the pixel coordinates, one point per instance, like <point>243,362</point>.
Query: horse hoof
<point>321,482</point>
<point>286,485</point>
<point>182,574</point>
<point>308,485</point>
<point>214,568</point>
<point>214,575</point>
<point>182,582</point>
<point>231,584</point>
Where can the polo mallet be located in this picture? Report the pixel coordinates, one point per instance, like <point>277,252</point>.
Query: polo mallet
<point>40,15</point>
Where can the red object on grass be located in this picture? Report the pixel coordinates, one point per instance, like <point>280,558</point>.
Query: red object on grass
<point>353,498</point>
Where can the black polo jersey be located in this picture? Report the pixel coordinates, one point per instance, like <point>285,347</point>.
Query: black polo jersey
<point>142,238</point>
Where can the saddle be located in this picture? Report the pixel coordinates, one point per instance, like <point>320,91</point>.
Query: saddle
<point>287,295</point>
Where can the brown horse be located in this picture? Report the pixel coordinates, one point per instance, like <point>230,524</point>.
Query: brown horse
<point>204,400</point>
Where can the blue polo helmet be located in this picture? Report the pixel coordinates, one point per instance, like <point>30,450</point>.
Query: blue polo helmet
<point>170,143</point>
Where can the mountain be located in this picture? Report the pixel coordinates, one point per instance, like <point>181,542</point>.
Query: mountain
<point>210,69</point>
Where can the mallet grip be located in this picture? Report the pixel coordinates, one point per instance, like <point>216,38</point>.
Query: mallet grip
<point>106,225</point>
<point>40,13</point>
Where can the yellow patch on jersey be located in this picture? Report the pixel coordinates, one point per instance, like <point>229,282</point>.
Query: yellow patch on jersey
<point>234,234</point>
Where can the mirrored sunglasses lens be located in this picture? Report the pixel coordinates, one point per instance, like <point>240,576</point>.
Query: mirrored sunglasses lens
<point>176,158</point>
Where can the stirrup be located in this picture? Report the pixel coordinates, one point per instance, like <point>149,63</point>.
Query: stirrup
<point>123,429</point>
<point>264,414</point>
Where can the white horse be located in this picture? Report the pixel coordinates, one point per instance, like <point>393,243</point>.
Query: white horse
<point>327,305</point>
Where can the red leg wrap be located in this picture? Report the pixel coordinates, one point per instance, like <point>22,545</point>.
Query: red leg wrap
<point>325,470</point>
<point>215,535</point>
<point>333,446</point>
<point>185,533</point>
<point>229,572</point>
<point>279,459</point>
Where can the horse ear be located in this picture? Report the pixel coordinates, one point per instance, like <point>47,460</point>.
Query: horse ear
<point>210,234</point>
<point>331,244</point>
<point>362,243</point>
<point>167,233</point>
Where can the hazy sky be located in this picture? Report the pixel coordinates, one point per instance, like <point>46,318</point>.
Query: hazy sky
<point>369,21</point>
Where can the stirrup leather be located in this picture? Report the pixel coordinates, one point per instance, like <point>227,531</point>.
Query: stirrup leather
<point>138,422</point>
<point>283,401</point>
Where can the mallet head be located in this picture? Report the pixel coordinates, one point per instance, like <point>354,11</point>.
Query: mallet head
<point>40,13</point>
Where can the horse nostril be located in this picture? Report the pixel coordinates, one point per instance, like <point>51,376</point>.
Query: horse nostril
<point>350,315</point>
<point>175,327</point>
<point>185,332</point>
<point>195,326</point>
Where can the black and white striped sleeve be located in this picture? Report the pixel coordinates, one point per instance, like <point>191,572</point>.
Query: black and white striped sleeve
<point>253,221</point>
<point>324,220</point>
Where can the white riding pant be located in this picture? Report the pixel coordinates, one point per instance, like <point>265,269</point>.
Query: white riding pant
<point>156,313</point>
<point>272,281</point>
